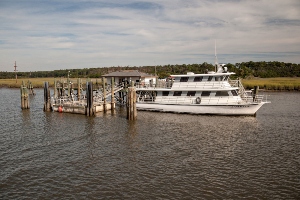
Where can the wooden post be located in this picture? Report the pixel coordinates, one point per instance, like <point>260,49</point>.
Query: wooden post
<point>60,89</point>
<point>131,104</point>
<point>47,105</point>
<point>255,92</point>
<point>104,94</point>
<point>78,88</point>
<point>134,104</point>
<point>31,89</point>
<point>128,104</point>
<point>89,99</point>
<point>112,93</point>
<point>97,85</point>
<point>22,102</point>
<point>16,71</point>
<point>69,89</point>
<point>124,89</point>
<point>133,101</point>
<point>24,96</point>
<point>55,88</point>
<point>63,90</point>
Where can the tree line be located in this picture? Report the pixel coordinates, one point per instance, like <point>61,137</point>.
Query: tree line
<point>243,70</point>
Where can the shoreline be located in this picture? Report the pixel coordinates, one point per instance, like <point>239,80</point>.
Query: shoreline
<point>260,90</point>
<point>279,84</point>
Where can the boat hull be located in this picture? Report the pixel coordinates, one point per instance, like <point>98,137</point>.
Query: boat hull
<point>247,109</point>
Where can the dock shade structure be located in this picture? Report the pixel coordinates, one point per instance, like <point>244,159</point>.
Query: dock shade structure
<point>127,76</point>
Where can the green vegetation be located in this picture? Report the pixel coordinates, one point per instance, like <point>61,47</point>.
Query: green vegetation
<point>281,83</point>
<point>37,82</point>
<point>286,83</point>
<point>243,70</point>
<point>265,74</point>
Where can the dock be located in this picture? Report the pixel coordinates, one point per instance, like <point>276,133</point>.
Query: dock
<point>93,98</point>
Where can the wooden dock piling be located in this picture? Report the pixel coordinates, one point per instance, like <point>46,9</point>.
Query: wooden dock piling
<point>112,93</point>
<point>104,94</point>
<point>55,88</point>
<point>89,96</point>
<point>30,88</point>
<point>255,92</point>
<point>47,97</point>
<point>131,104</point>
<point>24,97</point>
<point>78,88</point>
<point>69,86</point>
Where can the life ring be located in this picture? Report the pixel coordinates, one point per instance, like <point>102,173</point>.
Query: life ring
<point>198,100</point>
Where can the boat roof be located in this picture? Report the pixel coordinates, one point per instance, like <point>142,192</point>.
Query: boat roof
<point>186,89</point>
<point>209,74</point>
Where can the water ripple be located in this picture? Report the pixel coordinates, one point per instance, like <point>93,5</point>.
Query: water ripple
<point>159,156</point>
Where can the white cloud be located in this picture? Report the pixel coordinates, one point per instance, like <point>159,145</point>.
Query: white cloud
<point>82,34</point>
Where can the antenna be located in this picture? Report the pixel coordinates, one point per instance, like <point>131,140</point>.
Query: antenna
<point>155,69</point>
<point>216,59</point>
<point>16,71</point>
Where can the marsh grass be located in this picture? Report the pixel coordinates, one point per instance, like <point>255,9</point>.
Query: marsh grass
<point>38,82</point>
<point>281,83</point>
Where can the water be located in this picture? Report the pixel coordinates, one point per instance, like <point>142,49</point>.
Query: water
<point>45,155</point>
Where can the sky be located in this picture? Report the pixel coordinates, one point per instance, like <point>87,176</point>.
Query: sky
<point>44,35</point>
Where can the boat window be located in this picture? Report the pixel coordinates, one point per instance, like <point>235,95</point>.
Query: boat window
<point>210,78</point>
<point>198,78</point>
<point>177,93</point>
<point>226,77</point>
<point>205,93</point>
<point>191,93</point>
<point>221,93</point>
<point>184,79</point>
<point>234,93</point>
<point>165,93</point>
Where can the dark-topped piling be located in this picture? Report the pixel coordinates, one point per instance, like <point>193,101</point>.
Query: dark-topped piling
<point>112,93</point>
<point>89,99</point>
<point>104,94</point>
<point>47,97</point>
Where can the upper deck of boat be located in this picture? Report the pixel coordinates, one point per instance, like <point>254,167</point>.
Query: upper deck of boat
<point>191,81</point>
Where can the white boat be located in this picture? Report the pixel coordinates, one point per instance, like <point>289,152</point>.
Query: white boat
<point>212,93</point>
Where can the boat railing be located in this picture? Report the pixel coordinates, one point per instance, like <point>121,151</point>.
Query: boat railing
<point>202,85</point>
<point>254,99</point>
<point>150,97</point>
<point>238,83</point>
<point>149,86</point>
<point>74,100</point>
<point>191,85</point>
<point>203,100</point>
<point>220,101</point>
